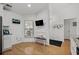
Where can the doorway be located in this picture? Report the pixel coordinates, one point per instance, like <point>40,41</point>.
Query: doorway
<point>66,29</point>
<point>70,26</point>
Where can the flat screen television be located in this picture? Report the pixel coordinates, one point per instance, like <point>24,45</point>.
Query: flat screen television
<point>16,21</point>
<point>39,23</point>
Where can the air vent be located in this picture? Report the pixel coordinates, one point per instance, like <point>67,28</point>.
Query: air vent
<point>7,7</point>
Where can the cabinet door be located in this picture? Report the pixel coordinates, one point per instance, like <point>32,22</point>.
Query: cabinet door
<point>16,39</point>
<point>6,42</point>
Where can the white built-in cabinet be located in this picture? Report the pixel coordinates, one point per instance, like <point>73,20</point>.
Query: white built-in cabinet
<point>10,40</point>
<point>16,39</point>
<point>7,43</point>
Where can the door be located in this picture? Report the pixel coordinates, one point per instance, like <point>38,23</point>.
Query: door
<point>66,29</point>
<point>0,35</point>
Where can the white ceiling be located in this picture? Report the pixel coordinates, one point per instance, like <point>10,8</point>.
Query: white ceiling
<point>22,8</point>
<point>65,10</point>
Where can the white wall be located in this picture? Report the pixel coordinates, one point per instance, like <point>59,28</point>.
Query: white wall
<point>43,30</point>
<point>65,10</point>
<point>57,13</point>
<point>15,29</point>
<point>77,27</point>
<point>1,9</point>
<point>56,18</point>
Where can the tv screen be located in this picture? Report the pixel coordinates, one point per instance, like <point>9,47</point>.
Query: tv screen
<point>16,21</point>
<point>39,23</point>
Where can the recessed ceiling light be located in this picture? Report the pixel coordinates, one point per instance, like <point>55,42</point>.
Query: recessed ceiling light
<point>29,5</point>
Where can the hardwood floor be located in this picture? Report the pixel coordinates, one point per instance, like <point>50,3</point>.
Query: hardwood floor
<point>38,49</point>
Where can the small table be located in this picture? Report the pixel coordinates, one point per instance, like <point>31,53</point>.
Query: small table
<point>41,38</point>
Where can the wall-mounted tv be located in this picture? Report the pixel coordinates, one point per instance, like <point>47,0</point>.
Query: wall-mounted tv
<point>16,21</point>
<point>39,23</point>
